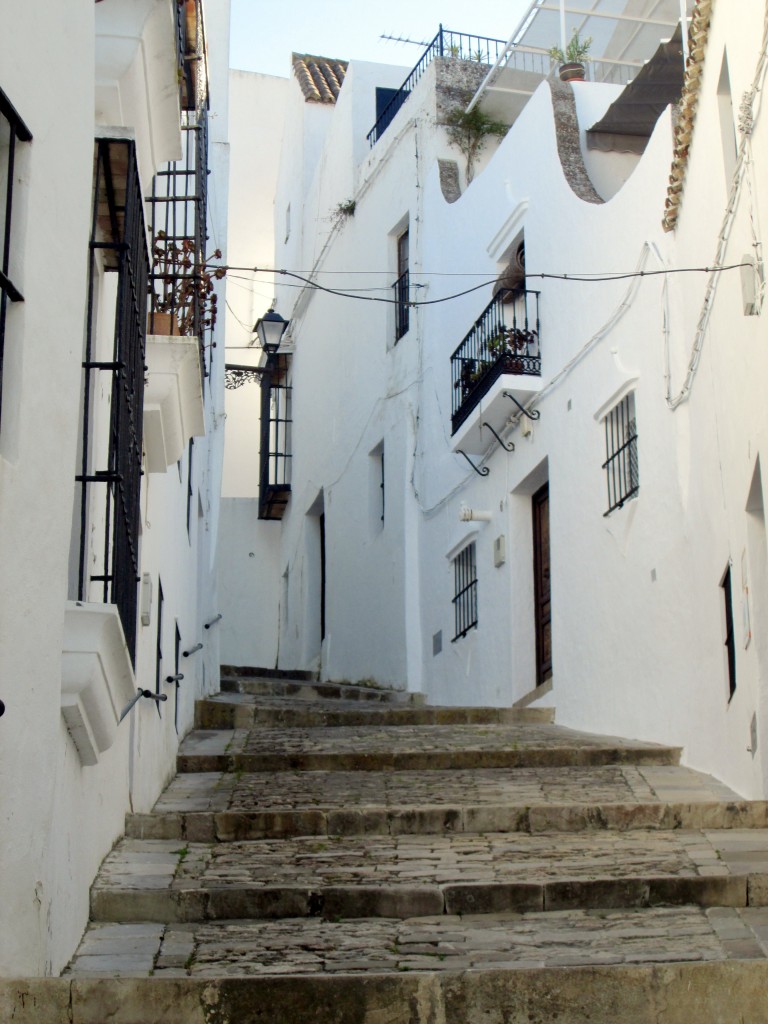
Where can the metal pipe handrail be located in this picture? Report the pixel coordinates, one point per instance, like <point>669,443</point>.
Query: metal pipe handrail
<point>192,650</point>
<point>213,621</point>
<point>135,700</point>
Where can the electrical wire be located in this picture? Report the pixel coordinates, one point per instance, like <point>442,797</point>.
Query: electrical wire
<point>579,278</point>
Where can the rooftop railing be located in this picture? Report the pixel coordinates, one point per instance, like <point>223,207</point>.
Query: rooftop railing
<point>446,43</point>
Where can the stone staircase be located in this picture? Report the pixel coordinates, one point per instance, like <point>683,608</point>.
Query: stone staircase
<point>340,854</point>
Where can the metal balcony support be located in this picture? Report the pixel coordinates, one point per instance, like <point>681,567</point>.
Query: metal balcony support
<point>213,621</point>
<point>481,471</point>
<point>175,679</point>
<point>192,650</point>
<point>508,446</point>
<point>532,414</point>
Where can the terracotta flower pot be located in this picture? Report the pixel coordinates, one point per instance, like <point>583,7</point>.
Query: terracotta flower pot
<point>572,72</point>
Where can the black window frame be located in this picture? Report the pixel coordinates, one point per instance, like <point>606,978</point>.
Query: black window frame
<point>621,464</point>
<point>9,289</point>
<point>465,591</point>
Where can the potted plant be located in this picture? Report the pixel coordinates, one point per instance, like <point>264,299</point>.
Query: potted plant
<point>573,58</point>
<point>183,300</point>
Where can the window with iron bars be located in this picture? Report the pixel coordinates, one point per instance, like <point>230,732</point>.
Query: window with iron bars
<point>275,454</point>
<point>620,464</point>
<point>12,131</point>
<point>464,591</point>
<point>401,287</point>
<point>113,387</point>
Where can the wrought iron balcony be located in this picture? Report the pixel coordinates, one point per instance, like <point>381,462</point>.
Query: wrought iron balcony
<point>446,43</point>
<point>504,342</point>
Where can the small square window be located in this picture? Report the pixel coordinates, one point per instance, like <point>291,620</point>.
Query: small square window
<point>620,464</point>
<point>465,591</point>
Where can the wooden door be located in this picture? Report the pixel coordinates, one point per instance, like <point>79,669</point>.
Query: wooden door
<point>541,584</point>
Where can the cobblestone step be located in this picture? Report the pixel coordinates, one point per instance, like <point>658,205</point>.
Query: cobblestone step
<point>658,990</point>
<point>410,747</point>
<point>259,682</point>
<point>413,876</point>
<point>447,943</point>
<point>244,710</point>
<point>219,807</point>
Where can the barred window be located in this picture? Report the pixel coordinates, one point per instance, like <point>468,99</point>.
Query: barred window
<point>621,453</point>
<point>402,287</point>
<point>12,131</point>
<point>465,591</point>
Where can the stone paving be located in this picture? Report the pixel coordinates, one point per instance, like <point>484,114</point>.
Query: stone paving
<point>450,850</point>
<point>410,747</point>
<point>208,791</point>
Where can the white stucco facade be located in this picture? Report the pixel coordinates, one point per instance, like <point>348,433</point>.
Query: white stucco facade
<point>70,769</point>
<point>638,611</point>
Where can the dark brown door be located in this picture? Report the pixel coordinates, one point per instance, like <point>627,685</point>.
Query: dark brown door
<point>541,585</point>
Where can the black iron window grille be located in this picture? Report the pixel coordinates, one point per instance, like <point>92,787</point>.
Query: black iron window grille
<point>402,287</point>
<point>504,339</point>
<point>620,465</point>
<point>113,387</point>
<point>275,454</point>
<point>182,300</point>
<point>12,131</point>
<point>464,591</point>
<point>446,43</point>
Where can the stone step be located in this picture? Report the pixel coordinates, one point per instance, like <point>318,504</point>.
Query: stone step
<point>415,876</point>
<point>306,688</point>
<point>219,807</point>
<point>410,747</point>
<point>648,982</point>
<point>448,943</point>
<point>244,710</point>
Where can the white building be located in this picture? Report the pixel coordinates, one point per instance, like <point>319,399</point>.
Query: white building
<point>603,563</point>
<point>110,433</point>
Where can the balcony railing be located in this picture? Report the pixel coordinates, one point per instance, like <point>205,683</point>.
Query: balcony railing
<point>178,206</point>
<point>446,43</point>
<point>504,340</point>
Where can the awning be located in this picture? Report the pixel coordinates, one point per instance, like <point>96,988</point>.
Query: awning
<point>627,124</point>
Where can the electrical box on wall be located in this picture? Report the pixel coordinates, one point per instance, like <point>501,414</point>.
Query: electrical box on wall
<point>499,550</point>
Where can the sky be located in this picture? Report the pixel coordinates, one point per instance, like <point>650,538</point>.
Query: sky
<point>264,33</point>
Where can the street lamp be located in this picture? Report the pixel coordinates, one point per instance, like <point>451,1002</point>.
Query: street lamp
<point>270,329</point>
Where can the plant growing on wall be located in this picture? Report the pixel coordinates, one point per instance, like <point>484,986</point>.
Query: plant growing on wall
<point>470,132</point>
<point>181,284</point>
<point>343,211</point>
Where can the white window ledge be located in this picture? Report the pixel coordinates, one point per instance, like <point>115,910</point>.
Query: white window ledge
<point>173,399</point>
<point>97,679</point>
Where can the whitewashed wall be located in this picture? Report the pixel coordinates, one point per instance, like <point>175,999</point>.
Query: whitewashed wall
<point>637,607</point>
<point>60,817</point>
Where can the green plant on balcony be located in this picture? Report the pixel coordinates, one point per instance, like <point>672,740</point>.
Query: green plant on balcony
<point>573,58</point>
